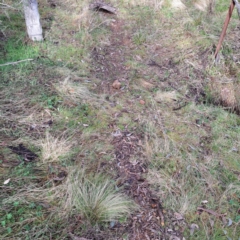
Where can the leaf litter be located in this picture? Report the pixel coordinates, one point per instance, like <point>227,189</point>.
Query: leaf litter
<point>149,221</point>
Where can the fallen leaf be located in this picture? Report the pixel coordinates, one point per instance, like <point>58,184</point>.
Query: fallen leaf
<point>229,222</point>
<point>112,224</point>
<point>211,222</point>
<point>7,181</point>
<point>193,227</point>
<point>116,84</point>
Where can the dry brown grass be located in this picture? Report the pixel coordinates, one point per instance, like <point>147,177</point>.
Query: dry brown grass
<point>52,148</point>
<point>204,5</point>
<point>78,93</point>
<point>226,92</point>
<point>156,140</point>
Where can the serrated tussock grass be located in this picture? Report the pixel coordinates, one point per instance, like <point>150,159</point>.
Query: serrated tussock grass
<point>95,198</point>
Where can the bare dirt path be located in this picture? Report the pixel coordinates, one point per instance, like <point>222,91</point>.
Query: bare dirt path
<point>149,222</point>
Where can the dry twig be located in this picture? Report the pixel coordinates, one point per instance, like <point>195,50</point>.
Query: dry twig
<point>13,63</point>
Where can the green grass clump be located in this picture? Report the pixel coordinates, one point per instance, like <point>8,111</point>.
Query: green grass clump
<point>15,50</point>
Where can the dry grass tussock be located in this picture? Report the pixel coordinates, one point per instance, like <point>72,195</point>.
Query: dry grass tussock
<point>78,93</point>
<point>176,173</point>
<point>227,92</point>
<point>95,198</point>
<point>83,6</point>
<point>92,196</point>
<point>37,119</point>
<point>24,115</point>
<point>158,4</point>
<point>183,182</point>
<point>74,4</point>
<point>80,16</point>
<point>180,191</point>
<point>20,108</point>
<point>156,139</point>
<point>204,5</point>
<point>53,148</point>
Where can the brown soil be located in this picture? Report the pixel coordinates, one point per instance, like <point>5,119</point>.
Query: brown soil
<point>149,222</point>
<point>109,61</point>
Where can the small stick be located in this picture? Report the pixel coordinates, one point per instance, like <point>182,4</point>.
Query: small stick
<point>211,212</point>
<point>7,6</point>
<point>227,20</point>
<point>13,63</point>
<point>160,213</point>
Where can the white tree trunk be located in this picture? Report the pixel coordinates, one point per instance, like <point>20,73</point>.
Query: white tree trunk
<point>177,4</point>
<point>32,18</point>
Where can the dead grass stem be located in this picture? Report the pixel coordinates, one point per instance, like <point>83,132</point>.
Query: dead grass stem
<point>53,148</point>
<point>78,93</point>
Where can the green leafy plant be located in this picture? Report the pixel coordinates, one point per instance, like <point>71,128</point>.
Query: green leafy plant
<point>139,38</point>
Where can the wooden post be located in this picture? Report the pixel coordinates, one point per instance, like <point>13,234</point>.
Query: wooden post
<point>227,20</point>
<point>32,19</point>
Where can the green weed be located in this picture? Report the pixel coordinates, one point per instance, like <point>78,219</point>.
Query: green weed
<point>139,38</point>
<point>15,50</point>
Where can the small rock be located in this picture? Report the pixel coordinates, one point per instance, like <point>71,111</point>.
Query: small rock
<point>116,84</point>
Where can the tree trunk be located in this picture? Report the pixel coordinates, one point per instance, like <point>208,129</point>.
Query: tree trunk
<point>32,19</point>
